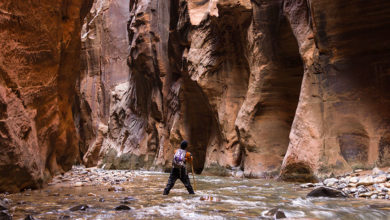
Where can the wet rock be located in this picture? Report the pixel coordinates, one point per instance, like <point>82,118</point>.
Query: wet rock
<point>128,200</point>
<point>210,198</point>
<point>54,194</point>
<point>79,208</point>
<point>21,202</point>
<point>91,194</point>
<point>122,207</point>
<point>279,215</point>
<point>377,171</point>
<point>275,213</point>
<point>102,200</point>
<point>5,216</point>
<point>3,205</point>
<point>326,192</point>
<point>116,189</point>
<point>307,185</point>
<point>29,217</point>
<point>78,184</point>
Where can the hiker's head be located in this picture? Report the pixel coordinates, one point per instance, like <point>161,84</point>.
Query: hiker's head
<point>183,145</point>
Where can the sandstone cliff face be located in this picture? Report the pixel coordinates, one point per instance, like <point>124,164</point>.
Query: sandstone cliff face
<point>39,49</point>
<point>296,88</point>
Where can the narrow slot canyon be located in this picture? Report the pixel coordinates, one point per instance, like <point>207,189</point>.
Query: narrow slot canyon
<point>279,100</point>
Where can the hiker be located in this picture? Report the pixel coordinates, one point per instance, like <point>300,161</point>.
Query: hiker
<point>179,170</point>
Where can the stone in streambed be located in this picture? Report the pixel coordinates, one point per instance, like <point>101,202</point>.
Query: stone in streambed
<point>3,206</point>
<point>380,179</point>
<point>128,200</point>
<point>5,216</point>
<point>330,182</point>
<point>354,179</point>
<point>366,181</point>
<point>122,208</point>
<point>279,215</point>
<point>78,184</point>
<point>307,185</point>
<point>326,192</point>
<point>29,217</point>
<point>275,213</point>
<point>116,189</point>
<point>377,171</point>
<point>79,208</point>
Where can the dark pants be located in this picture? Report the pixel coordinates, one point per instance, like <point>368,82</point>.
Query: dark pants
<point>178,173</point>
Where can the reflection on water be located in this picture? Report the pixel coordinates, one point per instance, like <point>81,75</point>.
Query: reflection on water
<point>231,199</point>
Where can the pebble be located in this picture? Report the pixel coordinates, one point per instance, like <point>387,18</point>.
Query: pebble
<point>79,208</point>
<point>330,181</point>
<point>380,179</point>
<point>307,185</point>
<point>122,207</point>
<point>377,171</point>
<point>91,194</point>
<point>78,184</point>
<point>128,200</point>
<point>5,216</point>
<point>116,189</point>
<point>354,179</point>
<point>54,194</point>
<point>29,217</point>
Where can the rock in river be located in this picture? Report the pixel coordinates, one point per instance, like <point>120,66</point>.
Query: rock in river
<point>5,216</point>
<point>79,208</point>
<point>326,192</point>
<point>122,207</point>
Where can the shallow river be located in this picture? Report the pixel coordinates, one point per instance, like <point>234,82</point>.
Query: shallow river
<point>232,198</point>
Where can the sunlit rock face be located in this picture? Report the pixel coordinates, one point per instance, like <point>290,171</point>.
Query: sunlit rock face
<point>39,65</point>
<point>290,88</point>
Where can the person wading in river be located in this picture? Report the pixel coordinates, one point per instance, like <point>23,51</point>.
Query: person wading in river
<point>179,170</point>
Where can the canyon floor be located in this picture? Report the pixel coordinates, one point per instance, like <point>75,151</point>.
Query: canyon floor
<point>92,193</point>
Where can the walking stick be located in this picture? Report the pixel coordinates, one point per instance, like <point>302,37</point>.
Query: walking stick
<point>193,175</point>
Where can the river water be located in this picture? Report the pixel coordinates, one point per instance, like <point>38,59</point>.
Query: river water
<point>226,198</point>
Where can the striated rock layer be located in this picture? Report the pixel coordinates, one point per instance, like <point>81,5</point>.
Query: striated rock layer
<point>39,50</point>
<point>296,88</point>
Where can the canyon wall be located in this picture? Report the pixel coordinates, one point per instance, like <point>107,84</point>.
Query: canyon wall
<point>261,88</point>
<point>289,88</point>
<point>39,65</point>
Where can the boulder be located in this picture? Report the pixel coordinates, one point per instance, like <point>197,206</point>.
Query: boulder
<point>326,192</point>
